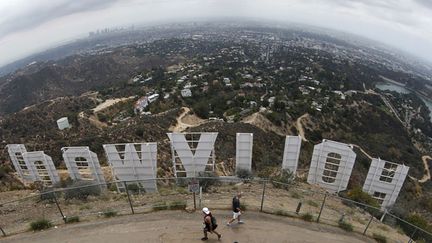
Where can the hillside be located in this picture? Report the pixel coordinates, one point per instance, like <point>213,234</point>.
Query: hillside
<point>40,120</point>
<point>72,76</point>
<point>266,82</point>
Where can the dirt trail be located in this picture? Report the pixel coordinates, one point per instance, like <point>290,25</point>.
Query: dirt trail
<point>258,120</point>
<point>107,103</point>
<point>427,175</point>
<point>110,102</point>
<point>425,158</point>
<point>364,152</point>
<point>176,226</point>
<point>93,120</point>
<point>299,126</point>
<point>185,120</point>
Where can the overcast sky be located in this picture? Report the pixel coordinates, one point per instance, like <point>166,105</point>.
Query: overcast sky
<point>30,26</point>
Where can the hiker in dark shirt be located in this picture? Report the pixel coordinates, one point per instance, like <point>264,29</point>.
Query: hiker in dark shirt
<point>209,224</point>
<point>236,209</point>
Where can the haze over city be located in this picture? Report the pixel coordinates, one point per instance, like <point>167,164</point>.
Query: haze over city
<point>29,27</point>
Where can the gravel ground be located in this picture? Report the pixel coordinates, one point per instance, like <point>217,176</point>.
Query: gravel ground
<point>180,226</point>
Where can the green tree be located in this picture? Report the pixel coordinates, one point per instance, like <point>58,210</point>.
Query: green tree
<point>201,109</point>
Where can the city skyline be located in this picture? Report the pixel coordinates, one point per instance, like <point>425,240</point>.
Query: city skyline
<point>28,28</point>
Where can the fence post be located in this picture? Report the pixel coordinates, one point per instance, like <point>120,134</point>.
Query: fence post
<point>1,229</point>
<point>367,226</point>
<point>58,206</point>
<point>298,207</point>
<point>194,198</point>
<point>200,197</point>
<point>384,214</point>
<point>263,194</point>
<point>128,196</point>
<point>412,236</point>
<point>322,207</point>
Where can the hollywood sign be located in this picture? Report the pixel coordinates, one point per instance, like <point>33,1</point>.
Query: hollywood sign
<point>192,153</point>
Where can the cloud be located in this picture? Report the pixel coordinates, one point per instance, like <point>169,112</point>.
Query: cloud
<point>424,3</point>
<point>30,26</point>
<point>394,11</point>
<point>26,15</point>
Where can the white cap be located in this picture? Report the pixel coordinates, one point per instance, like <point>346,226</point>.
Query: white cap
<point>206,210</point>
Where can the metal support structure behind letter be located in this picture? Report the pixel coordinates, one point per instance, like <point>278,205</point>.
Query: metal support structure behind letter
<point>263,195</point>
<point>128,196</point>
<point>322,207</point>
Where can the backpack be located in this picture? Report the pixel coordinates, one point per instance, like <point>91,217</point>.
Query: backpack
<point>213,220</point>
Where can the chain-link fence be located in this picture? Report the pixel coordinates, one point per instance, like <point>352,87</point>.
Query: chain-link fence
<point>84,200</point>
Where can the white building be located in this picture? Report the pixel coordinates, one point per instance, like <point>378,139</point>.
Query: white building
<point>137,78</point>
<point>227,82</point>
<point>331,165</point>
<point>141,104</point>
<point>147,80</point>
<point>181,80</point>
<point>63,123</point>
<point>247,76</point>
<point>384,181</point>
<point>153,98</point>
<point>271,100</point>
<point>247,85</point>
<point>253,104</point>
<point>186,93</point>
<point>188,85</point>
<point>341,95</point>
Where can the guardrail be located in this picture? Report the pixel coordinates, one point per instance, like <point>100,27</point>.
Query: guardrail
<point>92,201</point>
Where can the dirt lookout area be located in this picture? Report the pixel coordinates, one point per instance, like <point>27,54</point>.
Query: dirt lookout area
<point>181,226</point>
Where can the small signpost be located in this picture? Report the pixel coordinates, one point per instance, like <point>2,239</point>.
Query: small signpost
<point>194,188</point>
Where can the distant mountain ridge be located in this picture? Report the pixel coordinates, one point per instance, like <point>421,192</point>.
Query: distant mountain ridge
<point>71,76</point>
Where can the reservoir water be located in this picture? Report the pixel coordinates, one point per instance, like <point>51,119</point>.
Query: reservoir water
<point>401,89</point>
<point>392,87</point>
<point>428,103</point>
